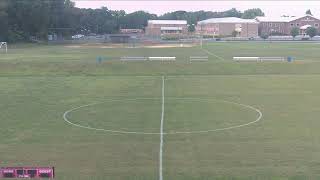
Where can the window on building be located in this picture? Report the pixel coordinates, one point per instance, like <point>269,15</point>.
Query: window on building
<point>291,24</point>
<point>270,24</point>
<point>298,24</point>
<point>316,25</point>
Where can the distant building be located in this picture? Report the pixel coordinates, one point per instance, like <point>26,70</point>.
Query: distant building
<point>228,26</point>
<point>131,31</point>
<point>283,25</point>
<point>161,27</point>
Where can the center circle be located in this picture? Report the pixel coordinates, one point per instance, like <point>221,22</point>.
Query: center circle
<point>182,115</point>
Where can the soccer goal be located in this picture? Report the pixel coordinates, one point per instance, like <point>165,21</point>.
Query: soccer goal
<point>4,46</point>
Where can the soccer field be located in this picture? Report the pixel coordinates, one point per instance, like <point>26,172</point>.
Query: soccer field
<point>142,120</point>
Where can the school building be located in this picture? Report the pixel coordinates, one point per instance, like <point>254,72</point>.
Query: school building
<point>228,26</point>
<point>283,25</point>
<point>163,27</point>
<point>233,26</point>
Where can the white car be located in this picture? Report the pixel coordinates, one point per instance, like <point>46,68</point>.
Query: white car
<point>77,36</point>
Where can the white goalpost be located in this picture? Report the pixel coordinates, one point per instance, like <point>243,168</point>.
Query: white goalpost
<point>4,45</point>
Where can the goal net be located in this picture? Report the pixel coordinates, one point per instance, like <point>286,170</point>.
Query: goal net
<point>3,47</point>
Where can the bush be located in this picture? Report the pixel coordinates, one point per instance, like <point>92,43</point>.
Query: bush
<point>311,31</point>
<point>16,36</point>
<point>277,34</point>
<point>207,36</point>
<point>294,32</point>
<point>171,37</point>
<point>264,36</point>
<point>220,36</point>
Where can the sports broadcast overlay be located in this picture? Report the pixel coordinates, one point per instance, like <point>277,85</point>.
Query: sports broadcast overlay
<point>27,172</point>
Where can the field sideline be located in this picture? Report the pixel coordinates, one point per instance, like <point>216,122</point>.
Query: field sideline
<point>39,83</point>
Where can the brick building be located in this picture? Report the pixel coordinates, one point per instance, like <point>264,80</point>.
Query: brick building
<point>227,26</point>
<point>161,27</point>
<point>283,25</point>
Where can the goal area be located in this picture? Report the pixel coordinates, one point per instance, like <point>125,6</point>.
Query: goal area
<point>3,47</point>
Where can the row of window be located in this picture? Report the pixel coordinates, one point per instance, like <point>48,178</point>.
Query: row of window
<point>315,24</point>
<point>170,31</point>
<point>282,31</point>
<point>292,24</point>
<point>274,24</point>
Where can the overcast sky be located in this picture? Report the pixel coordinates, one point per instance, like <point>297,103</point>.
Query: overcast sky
<point>271,8</point>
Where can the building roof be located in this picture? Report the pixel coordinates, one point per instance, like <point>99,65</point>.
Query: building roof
<point>275,19</point>
<point>167,22</point>
<point>280,19</point>
<point>227,20</point>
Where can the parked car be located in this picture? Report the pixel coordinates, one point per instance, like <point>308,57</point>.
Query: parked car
<point>77,36</point>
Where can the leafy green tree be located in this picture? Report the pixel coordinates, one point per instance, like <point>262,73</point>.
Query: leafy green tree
<point>22,19</point>
<point>294,32</point>
<point>191,27</point>
<point>311,31</point>
<point>232,13</point>
<point>3,20</point>
<point>252,13</point>
<point>176,15</point>
<point>27,18</point>
<point>193,17</point>
<point>136,20</point>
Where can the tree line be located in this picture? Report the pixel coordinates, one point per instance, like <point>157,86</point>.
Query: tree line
<point>21,20</point>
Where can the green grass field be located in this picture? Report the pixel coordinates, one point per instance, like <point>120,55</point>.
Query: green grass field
<point>38,84</point>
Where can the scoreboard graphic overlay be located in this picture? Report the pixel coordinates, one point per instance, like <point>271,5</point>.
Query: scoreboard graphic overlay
<point>26,172</point>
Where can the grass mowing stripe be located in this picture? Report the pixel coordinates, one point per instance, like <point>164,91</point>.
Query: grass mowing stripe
<point>161,133</point>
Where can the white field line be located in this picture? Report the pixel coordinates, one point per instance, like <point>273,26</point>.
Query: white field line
<point>221,129</point>
<point>65,117</point>
<point>161,133</point>
<point>211,53</point>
